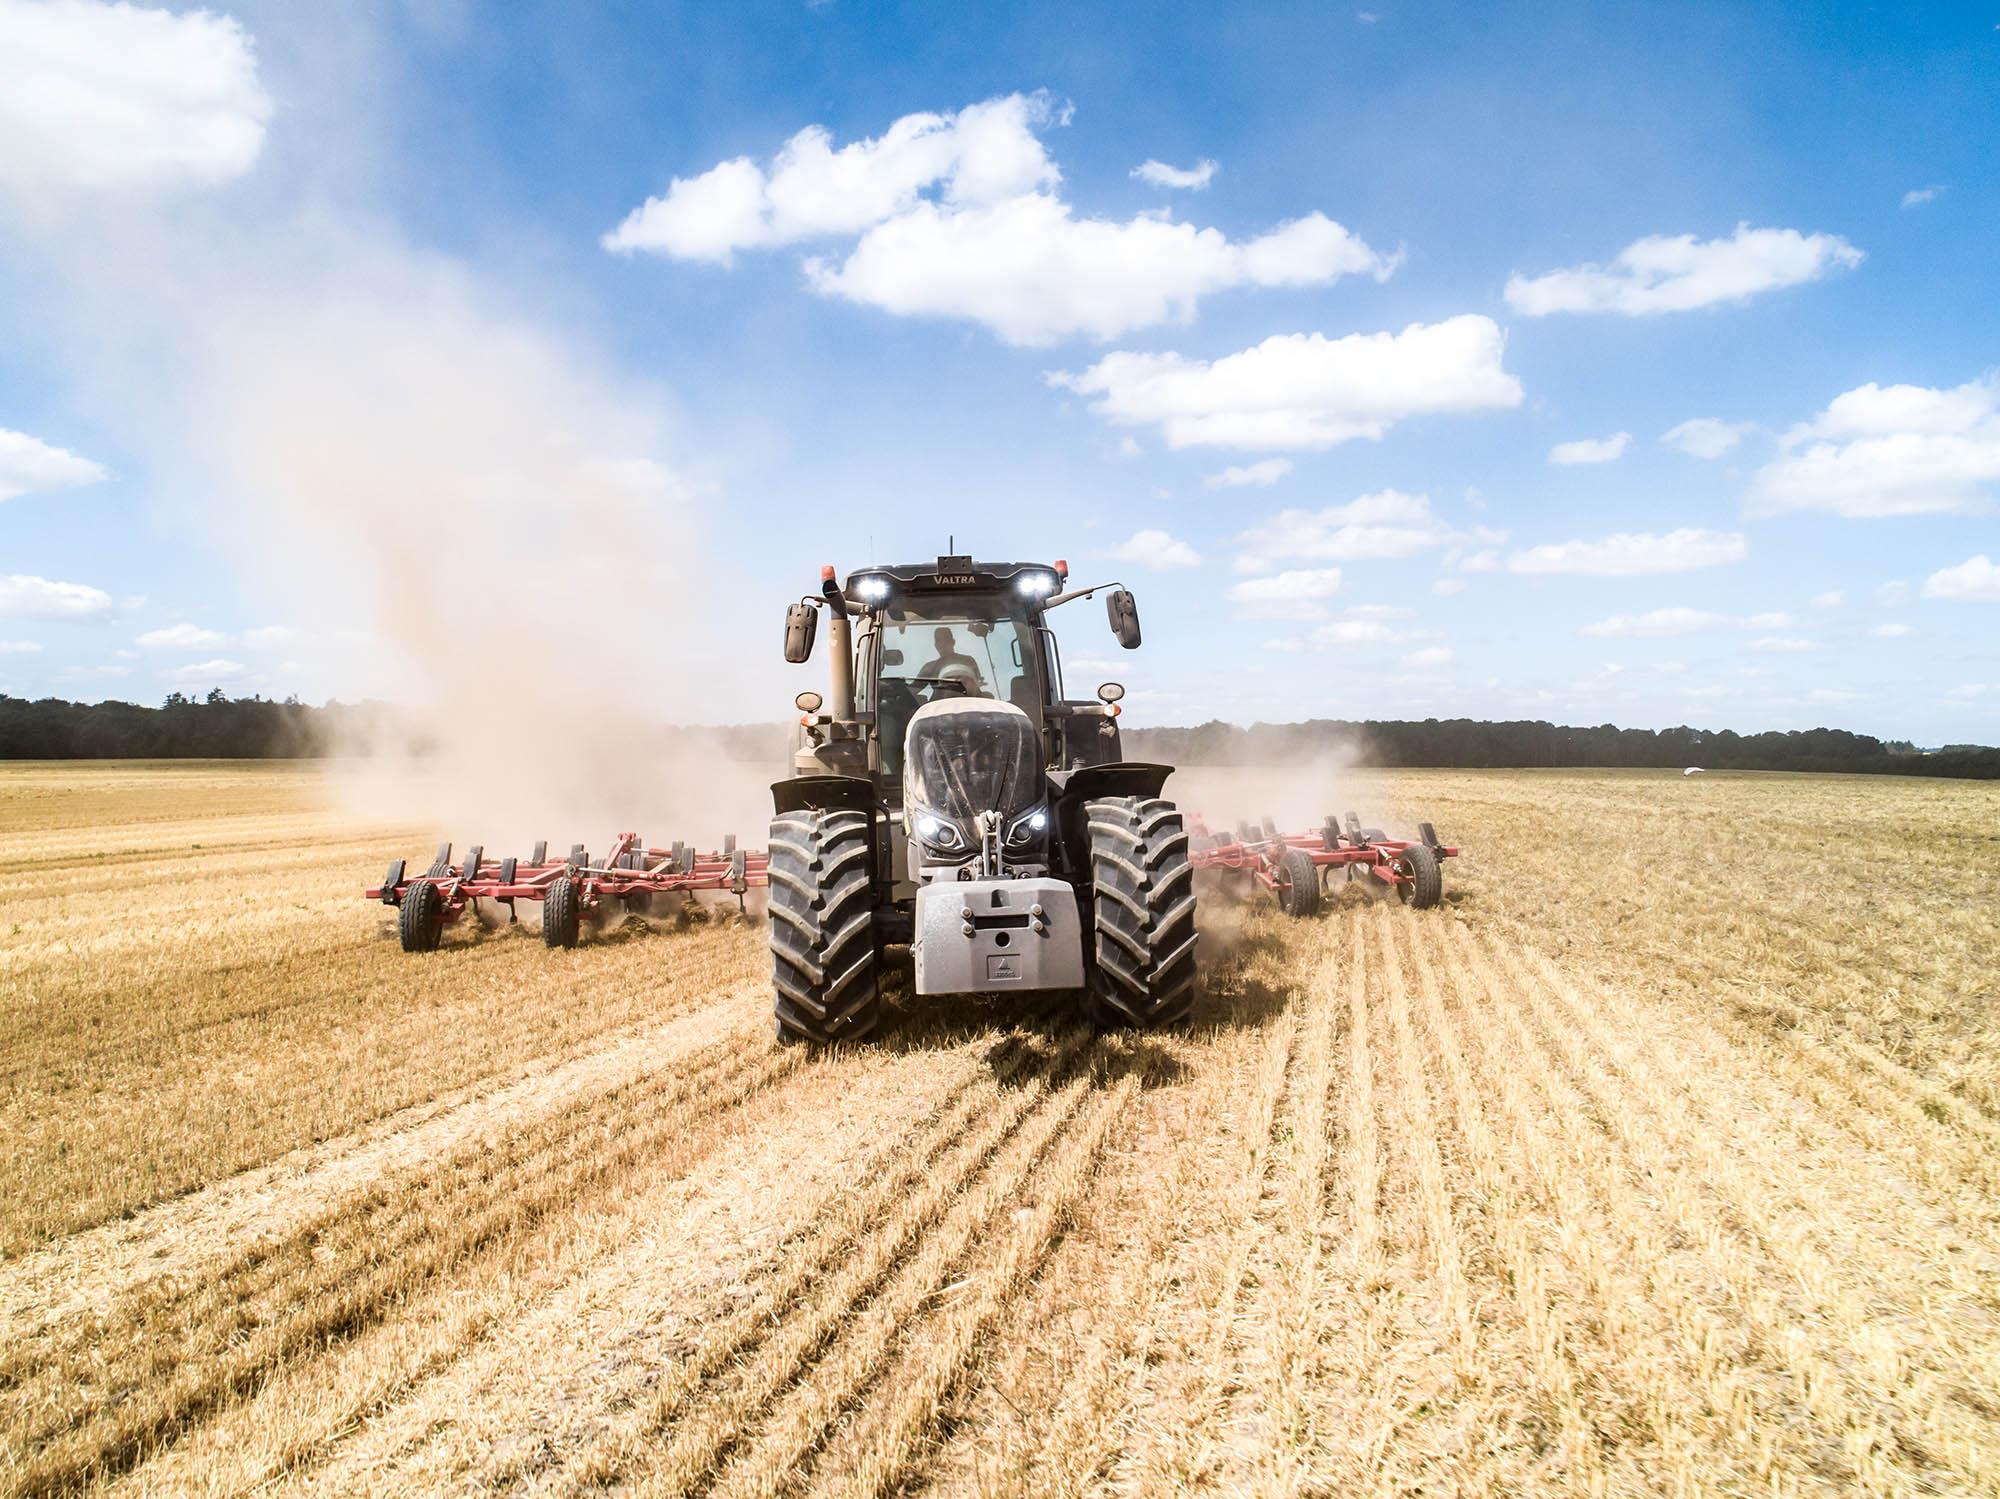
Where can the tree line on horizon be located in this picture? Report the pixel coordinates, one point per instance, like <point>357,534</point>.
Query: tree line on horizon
<point>216,726</point>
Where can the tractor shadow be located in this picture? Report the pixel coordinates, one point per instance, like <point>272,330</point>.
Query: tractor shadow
<point>1032,1039</point>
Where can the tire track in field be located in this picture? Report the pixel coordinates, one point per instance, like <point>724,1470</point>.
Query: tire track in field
<point>96,1397</point>
<point>1202,1378</point>
<point>847,1249</point>
<point>736,1397</point>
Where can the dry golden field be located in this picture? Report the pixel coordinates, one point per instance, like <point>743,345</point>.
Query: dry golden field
<point>1665,1157</point>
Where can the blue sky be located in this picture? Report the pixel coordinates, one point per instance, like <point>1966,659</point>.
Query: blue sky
<point>317,374</point>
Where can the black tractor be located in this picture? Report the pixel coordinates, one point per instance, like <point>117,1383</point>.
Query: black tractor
<point>946,795</point>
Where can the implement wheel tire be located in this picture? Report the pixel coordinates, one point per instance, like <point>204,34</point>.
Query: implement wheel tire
<point>1424,887</point>
<point>420,922</point>
<point>822,908</point>
<point>1298,884</point>
<point>560,912</point>
<point>1141,969</point>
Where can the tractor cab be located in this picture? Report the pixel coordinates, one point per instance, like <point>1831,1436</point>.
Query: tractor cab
<point>951,631</point>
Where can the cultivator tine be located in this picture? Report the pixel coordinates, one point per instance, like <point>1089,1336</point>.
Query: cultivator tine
<point>729,843</point>
<point>1429,834</point>
<point>441,865</point>
<point>390,881</point>
<point>684,860</point>
<point>674,854</point>
<point>1245,833</point>
<point>1271,829</point>
<point>1353,825</point>
<point>507,868</point>
<point>1329,833</point>
<point>577,857</point>
<point>540,854</point>
<point>472,856</point>
<point>738,875</point>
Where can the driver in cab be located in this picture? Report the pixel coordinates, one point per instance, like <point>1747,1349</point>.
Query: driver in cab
<point>953,666</point>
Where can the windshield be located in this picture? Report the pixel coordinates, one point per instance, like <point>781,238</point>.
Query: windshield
<point>950,649</point>
<point>971,757</point>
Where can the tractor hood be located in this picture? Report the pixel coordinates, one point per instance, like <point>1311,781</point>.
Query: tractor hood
<point>965,756</point>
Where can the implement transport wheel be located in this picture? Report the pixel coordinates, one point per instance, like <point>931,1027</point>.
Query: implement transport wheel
<point>1141,972</point>
<point>559,912</point>
<point>1423,883</point>
<point>1298,884</point>
<point>420,922</point>
<point>823,927</point>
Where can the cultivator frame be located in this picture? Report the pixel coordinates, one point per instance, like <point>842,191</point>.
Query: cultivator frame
<point>1298,868</point>
<point>567,888</point>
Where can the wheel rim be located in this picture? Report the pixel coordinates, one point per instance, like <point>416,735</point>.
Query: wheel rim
<point>1407,883</point>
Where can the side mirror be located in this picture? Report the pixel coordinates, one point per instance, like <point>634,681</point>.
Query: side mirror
<point>1124,612</point>
<point>801,625</point>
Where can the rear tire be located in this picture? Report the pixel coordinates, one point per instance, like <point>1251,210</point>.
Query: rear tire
<point>1424,886</point>
<point>1298,884</point>
<point>420,922</point>
<point>822,908</point>
<point>1142,909</point>
<point>559,912</point>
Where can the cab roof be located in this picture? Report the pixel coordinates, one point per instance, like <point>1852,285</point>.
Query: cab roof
<point>952,572</point>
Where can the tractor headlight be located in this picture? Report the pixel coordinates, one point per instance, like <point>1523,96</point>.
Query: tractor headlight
<point>872,589</point>
<point>939,833</point>
<point>1028,828</point>
<point>1036,585</point>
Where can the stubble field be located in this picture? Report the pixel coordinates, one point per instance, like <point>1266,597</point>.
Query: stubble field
<point>1665,1157</point>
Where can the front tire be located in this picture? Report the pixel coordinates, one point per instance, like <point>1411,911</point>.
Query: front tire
<point>1143,903</point>
<point>822,909</point>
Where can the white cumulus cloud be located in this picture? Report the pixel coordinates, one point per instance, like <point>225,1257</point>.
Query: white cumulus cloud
<point>1304,390</point>
<point>1919,195</point>
<point>1706,436</point>
<point>1591,449</point>
<point>26,597</point>
<point>1429,658</point>
<point>28,464</point>
<point>1263,473</point>
<point>180,637</point>
<point>1890,631</point>
<point>1156,550</point>
<point>1677,272</point>
<point>1386,524</point>
<point>1159,174</point>
<point>957,215</point>
<point>1629,554</point>
<point>1031,271</point>
<point>1974,581</point>
<point>1889,450</point>
<point>99,96</point>
<point>1297,594</point>
<point>19,647</point>
<point>1782,644</point>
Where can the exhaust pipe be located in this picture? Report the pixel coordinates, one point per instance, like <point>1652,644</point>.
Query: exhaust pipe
<point>840,694</point>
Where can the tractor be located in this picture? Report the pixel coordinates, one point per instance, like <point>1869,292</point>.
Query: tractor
<point>947,794</point>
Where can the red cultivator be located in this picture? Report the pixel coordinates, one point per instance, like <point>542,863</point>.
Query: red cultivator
<point>567,888</point>
<point>1298,867</point>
